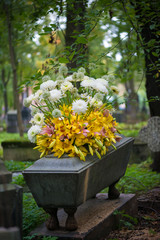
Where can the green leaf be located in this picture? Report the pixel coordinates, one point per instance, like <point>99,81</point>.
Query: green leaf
<point>63,60</point>
<point>47,29</point>
<point>152,26</point>
<point>36,88</point>
<point>92,38</point>
<point>54,26</point>
<point>81,40</point>
<point>155,54</point>
<point>72,55</point>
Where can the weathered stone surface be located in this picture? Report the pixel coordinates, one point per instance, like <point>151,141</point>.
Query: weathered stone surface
<point>5,175</point>
<point>140,151</point>
<point>95,218</point>
<point>151,134</point>
<point>19,151</point>
<point>11,206</point>
<point>12,123</point>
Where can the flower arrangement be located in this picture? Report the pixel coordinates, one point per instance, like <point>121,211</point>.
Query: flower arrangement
<point>67,119</point>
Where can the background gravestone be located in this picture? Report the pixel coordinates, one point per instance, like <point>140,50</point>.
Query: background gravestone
<point>151,135</point>
<point>10,205</point>
<point>12,123</point>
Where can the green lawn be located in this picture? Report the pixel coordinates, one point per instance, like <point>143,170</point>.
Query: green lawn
<point>131,130</point>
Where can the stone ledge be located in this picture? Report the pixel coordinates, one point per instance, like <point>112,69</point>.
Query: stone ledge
<point>96,218</point>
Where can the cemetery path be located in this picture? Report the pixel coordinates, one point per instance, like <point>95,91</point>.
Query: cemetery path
<point>148,227</point>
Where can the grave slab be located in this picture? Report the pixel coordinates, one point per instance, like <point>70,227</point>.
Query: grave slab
<point>96,218</point>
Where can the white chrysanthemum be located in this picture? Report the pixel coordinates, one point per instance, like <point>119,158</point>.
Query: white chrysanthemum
<point>79,106</point>
<point>96,103</point>
<point>69,78</point>
<point>102,81</point>
<point>110,78</point>
<point>74,91</point>
<point>99,96</point>
<point>46,78</point>
<point>45,95</point>
<point>92,66</point>
<point>60,78</point>
<point>84,95</point>
<point>38,94</point>
<point>100,87</point>
<point>49,85</point>
<point>27,101</point>
<point>82,70</point>
<point>33,131</point>
<point>32,121</point>
<point>63,70</point>
<point>105,77</point>
<point>56,113</point>
<point>88,83</point>
<point>86,77</point>
<point>34,110</point>
<point>66,86</point>
<point>80,76</point>
<point>88,98</point>
<point>55,95</point>
<point>38,118</point>
<point>74,76</point>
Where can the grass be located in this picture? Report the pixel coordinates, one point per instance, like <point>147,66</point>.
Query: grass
<point>17,165</point>
<point>32,214</point>
<point>131,130</point>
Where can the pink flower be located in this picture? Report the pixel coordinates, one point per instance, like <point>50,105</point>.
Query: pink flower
<point>63,137</point>
<point>118,138</point>
<point>106,113</point>
<point>113,130</point>
<point>48,130</point>
<point>83,130</point>
<point>102,132</point>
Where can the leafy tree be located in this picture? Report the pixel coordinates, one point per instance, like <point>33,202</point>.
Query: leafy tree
<point>146,23</point>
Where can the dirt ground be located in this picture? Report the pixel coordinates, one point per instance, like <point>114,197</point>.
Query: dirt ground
<point>148,226</point>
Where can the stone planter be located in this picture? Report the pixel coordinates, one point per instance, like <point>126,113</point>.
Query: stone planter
<point>68,182</point>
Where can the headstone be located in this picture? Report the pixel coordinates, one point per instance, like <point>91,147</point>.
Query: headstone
<point>26,116</point>
<point>12,123</point>
<point>151,134</point>
<point>5,175</point>
<point>10,202</point>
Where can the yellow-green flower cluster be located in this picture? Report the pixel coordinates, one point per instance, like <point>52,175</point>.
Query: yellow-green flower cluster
<point>78,135</point>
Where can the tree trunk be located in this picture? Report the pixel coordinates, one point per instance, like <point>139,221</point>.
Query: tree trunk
<point>74,28</point>
<point>148,15</point>
<point>5,97</point>
<point>14,70</point>
<point>149,25</point>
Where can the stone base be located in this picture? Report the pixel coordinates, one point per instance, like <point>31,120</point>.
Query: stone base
<point>96,218</point>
